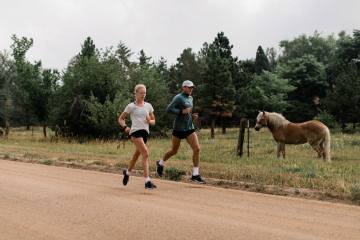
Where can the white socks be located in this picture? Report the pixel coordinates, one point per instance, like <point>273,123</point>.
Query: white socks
<point>195,171</point>
<point>127,172</point>
<point>161,162</point>
<point>147,179</point>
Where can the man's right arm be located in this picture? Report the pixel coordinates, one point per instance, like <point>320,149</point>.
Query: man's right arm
<point>173,106</point>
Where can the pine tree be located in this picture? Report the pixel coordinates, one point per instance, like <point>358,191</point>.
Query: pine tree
<point>217,90</point>
<point>261,61</point>
<point>88,48</point>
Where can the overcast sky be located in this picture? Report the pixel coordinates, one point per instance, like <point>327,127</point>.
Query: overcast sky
<point>166,27</point>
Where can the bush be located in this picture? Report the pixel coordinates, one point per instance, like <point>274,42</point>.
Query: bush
<point>327,119</point>
<point>47,162</point>
<point>174,173</point>
<point>355,192</point>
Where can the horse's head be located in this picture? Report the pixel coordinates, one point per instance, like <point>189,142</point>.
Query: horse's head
<point>261,121</point>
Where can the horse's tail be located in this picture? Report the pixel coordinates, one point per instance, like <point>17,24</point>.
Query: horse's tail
<point>327,145</point>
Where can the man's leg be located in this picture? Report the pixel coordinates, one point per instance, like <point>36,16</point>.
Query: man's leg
<point>193,141</point>
<point>175,144</point>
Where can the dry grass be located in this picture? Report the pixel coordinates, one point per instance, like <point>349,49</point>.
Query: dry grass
<point>299,171</point>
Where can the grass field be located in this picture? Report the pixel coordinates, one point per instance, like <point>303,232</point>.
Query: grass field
<point>301,173</point>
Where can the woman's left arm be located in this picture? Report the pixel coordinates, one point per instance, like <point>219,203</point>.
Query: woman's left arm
<point>151,118</point>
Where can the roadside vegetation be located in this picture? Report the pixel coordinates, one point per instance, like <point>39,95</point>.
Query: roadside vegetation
<point>300,174</point>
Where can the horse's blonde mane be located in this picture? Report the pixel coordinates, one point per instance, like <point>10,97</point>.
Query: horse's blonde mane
<point>276,119</point>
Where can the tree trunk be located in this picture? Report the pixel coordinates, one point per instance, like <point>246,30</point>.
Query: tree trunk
<point>223,127</point>
<point>7,128</point>
<point>44,130</point>
<point>212,127</point>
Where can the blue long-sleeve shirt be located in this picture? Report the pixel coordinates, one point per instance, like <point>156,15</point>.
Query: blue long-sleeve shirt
<point>182,122</point>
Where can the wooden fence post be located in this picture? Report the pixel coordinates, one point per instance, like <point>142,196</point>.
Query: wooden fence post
<point>248,138</point>
<point>240,145</point>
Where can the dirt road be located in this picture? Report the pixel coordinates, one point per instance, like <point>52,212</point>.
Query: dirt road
<point>46,202</point>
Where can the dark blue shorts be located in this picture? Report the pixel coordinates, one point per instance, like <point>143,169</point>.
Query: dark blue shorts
<point>140,134</point>
<point>182,134</point>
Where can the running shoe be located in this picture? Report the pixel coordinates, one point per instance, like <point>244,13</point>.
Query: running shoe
<point>197,179</point>
<point>149,185</point>
<point>126,177</point>
<point>159,168</point>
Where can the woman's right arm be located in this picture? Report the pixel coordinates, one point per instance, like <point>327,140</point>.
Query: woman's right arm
<point>121,121</point>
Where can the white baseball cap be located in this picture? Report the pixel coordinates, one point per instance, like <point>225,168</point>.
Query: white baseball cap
<point>188,83</point>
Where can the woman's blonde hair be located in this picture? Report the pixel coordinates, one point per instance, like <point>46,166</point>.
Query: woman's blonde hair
<point>139,86</point>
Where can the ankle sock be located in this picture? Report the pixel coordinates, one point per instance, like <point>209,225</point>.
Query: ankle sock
<point>195,171</point>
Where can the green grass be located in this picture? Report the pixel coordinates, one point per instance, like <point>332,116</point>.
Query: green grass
<point>301,168</point>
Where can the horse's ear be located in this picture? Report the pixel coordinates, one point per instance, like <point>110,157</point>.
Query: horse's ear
<point>263,113</point>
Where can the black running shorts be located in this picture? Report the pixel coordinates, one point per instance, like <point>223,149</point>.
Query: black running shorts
<point>182,134</point>
<point>140,134</point>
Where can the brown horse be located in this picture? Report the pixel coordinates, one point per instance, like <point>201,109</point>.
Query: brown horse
<point>286,132</point>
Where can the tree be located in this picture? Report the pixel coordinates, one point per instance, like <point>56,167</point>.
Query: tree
<point>309,77</point>
<point>217,90</point>
<point>348,48</point>
<point>122,56</point>
<point>261,61</point>
<point>88,48</point>
<point>188,67</point>
<point>143,59</point>
<point>172,81</point>
<point>27,74</point>
<point>323,49</point>
<point>92,80</point>
<point>45,90</point>
<point>246,74</point>
<point>272,56</point>
<point>267,92</point>
<point>7,76</point>
<point>343,101</point>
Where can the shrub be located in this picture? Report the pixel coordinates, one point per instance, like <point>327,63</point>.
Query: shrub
<point>47,162</point>
<point>174,173</point>
<point>327,119</point>
<point>355,192</point>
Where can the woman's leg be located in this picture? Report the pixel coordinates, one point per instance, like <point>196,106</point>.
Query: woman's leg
<point>133,160</point>
<point>141,147</point>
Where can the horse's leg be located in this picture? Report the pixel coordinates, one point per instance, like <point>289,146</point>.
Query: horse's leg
<point>316,146</point>
<point>318,149</point>
<point>322,150</point>
<point>278,149</point>
<point>327,156</point>
<point>283,149</point>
